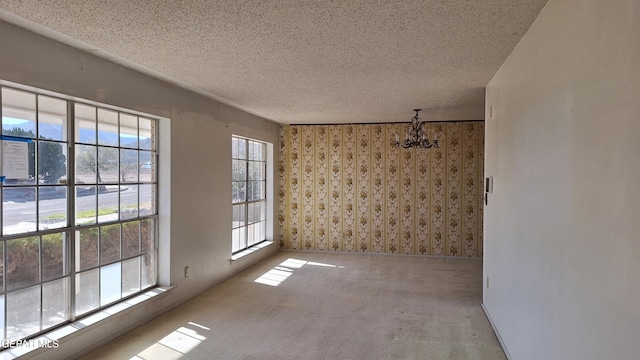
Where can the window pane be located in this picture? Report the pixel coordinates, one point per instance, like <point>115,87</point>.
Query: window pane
<point>256,233</point>
<point>18,210</point>
<point>251,150</point>
<point>52,207</point>
<point>243,237</point>
<point>109,243</point>
<point>147,199</point>
<point>108,165</point>
<point>263,152</point>
<point>128,201</point>
<point>23,262</point>
<point>235,240</point>
<point>87,291</point>
<point>147,134</point>
<point>257,208</point>
<point>251,235</point>
<point>254,150</point>
<point>110,283</point>
<point>263,230</point>
<point>257,171</point>
<point>85,205</point>
<point>257,151</point>
<point>108,203</point>
<point>239,191</point>
<point>147,236</point>
<point>18,113</point>
<point>239,170</point>
<point>235,217</point>
<point>55,302</point>
<point>254,170</point>
<point>31,166</point>
<point>130,276</point>
<point>250,213</point>
<point>147,166</point>
<point>255,191</point>
<point>239,239</point>
<point>234,147</point>
<point>52,118</point>
<point>130,239</point>
<point>2,322</point>
<point>239,215</point>
<point>128,165</point>
<point>1,275</point>
<point>148,276</point>
<point>86,164</point>
<point>242,148</point>
<point>85,117</point>
<point>86,249</point>
<point>23,308</point>
<point>52,160</point>
<point>128,131</point>
<point>107,127</point>
<point>257,212</point>
<point>53,256</point>
<point>263,210</point>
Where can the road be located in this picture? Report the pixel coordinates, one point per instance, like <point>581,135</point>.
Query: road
<point>23,213</point>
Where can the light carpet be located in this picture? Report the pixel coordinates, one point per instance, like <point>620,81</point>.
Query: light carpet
<point>316,305</point>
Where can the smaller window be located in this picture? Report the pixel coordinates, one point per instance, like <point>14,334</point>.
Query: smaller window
<point>248,189</point>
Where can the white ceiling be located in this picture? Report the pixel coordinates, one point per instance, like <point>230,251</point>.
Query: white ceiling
<point>300,62</point>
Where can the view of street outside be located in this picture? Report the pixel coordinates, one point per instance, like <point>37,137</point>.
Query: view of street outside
<point>19,214</point>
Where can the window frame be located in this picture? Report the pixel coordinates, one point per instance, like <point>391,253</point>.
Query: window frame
<point>70,232</point>
<point>242,232</point>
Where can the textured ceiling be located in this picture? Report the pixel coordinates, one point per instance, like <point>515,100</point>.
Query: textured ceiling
<point>295,61</point>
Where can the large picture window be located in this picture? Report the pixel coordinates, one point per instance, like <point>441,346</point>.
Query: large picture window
<point>79,229</point>
<point>249,198</point>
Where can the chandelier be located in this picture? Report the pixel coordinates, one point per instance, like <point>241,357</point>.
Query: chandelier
<point>415,137</point>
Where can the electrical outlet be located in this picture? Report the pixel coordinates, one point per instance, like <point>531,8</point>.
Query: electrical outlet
<point>487,282</point>
<point>186,271</point>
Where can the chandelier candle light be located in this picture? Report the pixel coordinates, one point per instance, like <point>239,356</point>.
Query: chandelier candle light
<point>415,137</point>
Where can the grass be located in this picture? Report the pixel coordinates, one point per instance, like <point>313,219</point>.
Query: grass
<point>56,217</point>
<point>90,214</point>
<point>83,214</point>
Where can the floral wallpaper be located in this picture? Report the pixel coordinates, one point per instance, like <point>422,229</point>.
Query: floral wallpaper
<point>346,188</point>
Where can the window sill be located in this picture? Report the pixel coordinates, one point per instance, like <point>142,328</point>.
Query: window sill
<point>244,253</point>
<point>55,338</point>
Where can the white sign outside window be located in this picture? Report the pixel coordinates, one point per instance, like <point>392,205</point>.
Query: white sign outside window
<point>15,159</point>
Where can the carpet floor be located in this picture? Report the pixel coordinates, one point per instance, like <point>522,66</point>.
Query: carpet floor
<point>315,305</point>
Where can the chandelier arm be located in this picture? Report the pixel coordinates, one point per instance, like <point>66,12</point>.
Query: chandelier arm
<point>416,136</point>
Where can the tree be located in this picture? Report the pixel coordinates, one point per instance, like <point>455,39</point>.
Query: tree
<point>128,164</point>
<point>105,160</point>
<point>52,162</point>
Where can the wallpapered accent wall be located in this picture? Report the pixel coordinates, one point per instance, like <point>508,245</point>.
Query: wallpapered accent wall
<point>345,188</point>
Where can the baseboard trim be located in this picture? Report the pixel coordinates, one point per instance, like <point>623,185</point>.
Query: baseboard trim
<point>443,257</point>
<point>495,331</point>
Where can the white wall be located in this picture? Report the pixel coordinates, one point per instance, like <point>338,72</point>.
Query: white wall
<point>562,228</point>
<point>195,165</point>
